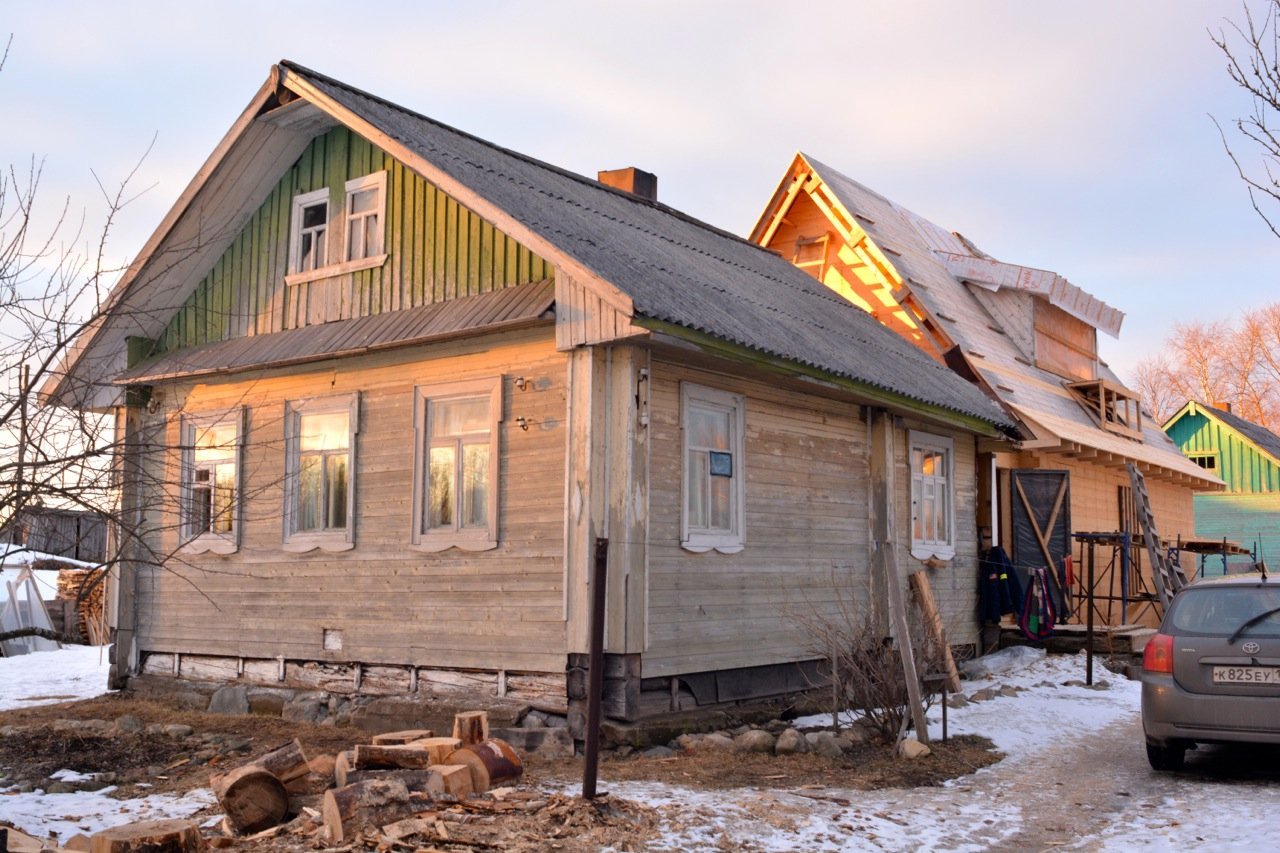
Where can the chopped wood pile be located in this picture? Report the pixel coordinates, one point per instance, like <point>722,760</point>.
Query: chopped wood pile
<point>92,610</point>
<point>401,780</point>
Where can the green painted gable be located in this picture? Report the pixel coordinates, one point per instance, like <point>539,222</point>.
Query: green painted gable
<point>437,250</point>
<point>1242,465</point>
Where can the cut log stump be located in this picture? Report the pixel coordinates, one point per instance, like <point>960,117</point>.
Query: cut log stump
<point>287,763</point>
<point>376,757</point>
<point>492,762</point>
<point>439,747</point>
<point>403,737</point>
<point>368,805</point>
<point>471,726</point>
<point>151,836</point>
<point>342,768</point>
<point>252,798</point>
<point>455,779</point>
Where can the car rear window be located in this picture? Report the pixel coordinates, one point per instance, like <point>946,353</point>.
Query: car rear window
<point>1215,610</point>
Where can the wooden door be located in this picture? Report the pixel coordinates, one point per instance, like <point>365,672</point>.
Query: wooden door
<point>1040,514</point>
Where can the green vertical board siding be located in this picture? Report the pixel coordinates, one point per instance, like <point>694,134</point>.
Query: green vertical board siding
<point>438,250</point>
<point>1241,465</point>
<point>1249,520</point>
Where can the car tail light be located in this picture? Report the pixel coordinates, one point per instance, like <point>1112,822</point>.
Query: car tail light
<point>1158,655</point>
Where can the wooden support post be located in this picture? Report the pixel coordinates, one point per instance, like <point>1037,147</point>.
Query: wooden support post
<point>595,675</point>
<point>885,559</point>
<point>933,621</point>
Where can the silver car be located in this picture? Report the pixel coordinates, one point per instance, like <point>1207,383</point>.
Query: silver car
<point>1212,672</point>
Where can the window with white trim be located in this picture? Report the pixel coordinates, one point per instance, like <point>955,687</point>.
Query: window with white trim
<point>713,512</point>
<point>365,205</point>
<point>326,240</point>
<point>320,443</point>
<point>210,487</point>
<point>309,244</point>
<point>456,484</point>
<point>931,458</point>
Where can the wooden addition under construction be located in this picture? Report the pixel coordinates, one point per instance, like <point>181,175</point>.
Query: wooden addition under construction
<point>384,384</point>
<point>1028,338</point>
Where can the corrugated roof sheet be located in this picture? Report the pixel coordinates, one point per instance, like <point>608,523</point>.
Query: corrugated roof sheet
<point>675,269</point>
<point>503,309</point>
<point>1259,435</point>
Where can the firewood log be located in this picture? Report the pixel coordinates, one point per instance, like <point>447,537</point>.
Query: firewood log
<point>368,805</point>
<point>439,747</point>
<point>252,798</point>
<point>403,737</point>
<point>375,757</point>
<point>471,726</point>
<point>492,762</point>
<point>342,767</point>
<point>152,836</point>
<point>286,763</point>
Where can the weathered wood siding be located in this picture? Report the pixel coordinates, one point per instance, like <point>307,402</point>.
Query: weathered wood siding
<point>437,250</point>
<point>807,531</point>
<point>498,609</point>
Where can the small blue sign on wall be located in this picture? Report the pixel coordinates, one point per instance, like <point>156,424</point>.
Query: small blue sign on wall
<point>721,464</point>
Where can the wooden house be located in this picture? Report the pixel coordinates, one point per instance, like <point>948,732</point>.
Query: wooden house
<point>384,384</point>
<point>1028,338</point>
<point>1246,457</point>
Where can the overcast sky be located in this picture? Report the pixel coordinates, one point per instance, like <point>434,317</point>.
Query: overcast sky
<point>1073,137</point>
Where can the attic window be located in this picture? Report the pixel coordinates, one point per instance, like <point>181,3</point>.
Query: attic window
<point>327,241</point>
<point>1115,408</point>
<point>1207,461</point>
<point>811,255</point>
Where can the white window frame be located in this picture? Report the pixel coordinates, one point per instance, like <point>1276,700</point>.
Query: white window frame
<point>376,181</point>
<point>202,541</point>
<point>924,549</point>
<point>300,203</point>
<point>337,231</point>
<point>325,540</point>
<point>733,539</point>
<point>429,539</point>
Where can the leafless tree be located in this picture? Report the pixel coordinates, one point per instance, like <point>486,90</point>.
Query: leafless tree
<point>1252,51</point>
<point>1218,364</point>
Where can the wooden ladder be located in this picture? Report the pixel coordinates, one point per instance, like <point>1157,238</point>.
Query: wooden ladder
<point>1168,576</point>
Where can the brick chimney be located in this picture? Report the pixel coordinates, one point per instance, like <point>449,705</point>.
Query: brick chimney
<point>638,182</point>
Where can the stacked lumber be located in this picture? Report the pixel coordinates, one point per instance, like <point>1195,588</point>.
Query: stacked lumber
<point>92,610</point>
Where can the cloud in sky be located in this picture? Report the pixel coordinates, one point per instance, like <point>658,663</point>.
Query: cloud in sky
<point>1069,136</point>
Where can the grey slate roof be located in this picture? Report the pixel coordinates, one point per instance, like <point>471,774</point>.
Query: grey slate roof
<point>674,268</point>
<point>1259,435</point>
<point>992,329</point>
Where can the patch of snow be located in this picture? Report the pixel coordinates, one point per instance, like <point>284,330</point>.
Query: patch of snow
<point>71,776</point>
<point>64,815</point>
<point>61,675</point>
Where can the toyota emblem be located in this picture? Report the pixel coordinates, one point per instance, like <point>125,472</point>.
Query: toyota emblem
<point>1250,648</point>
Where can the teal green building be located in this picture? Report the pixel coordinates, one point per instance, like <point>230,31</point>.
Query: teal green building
<point>1246,457</point>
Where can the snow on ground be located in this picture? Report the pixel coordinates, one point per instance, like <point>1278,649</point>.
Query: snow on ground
<point>982,811</point>
<point>42,678</point>
<point>44,815</point>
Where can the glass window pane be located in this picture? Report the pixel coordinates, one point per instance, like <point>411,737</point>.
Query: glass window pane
<point>324,431</point>
<point>362,201</point>
<point>215,442</point>
<point>309,492</point>
<point>696,489</point>
<point>371,241</point>
<point>721,489</point>
<point>708,428</point>
<point>461,416</point>
<point>475,485</point>
<point>355,241</point>
<point>315,214</point>
<point>440,500</point>
<point>201,506</point>
<point>336,491</point>
<point>224,494</point>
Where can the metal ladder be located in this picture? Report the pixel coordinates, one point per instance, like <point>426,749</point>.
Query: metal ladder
<point>1168,575</point>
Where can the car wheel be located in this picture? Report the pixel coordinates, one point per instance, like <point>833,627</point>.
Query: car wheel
<point>1168,757</point>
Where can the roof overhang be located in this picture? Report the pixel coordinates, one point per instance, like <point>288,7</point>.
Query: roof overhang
<point>996,275</point>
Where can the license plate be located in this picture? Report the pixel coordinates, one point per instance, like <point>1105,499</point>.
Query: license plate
<point>1246,675</point>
